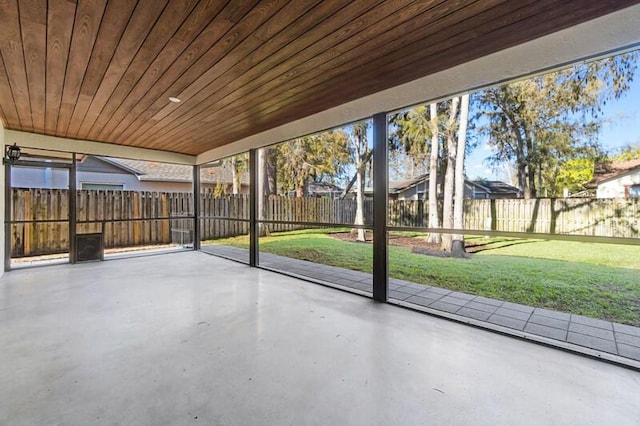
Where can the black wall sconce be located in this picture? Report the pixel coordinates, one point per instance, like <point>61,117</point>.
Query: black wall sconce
<point>11,155</point>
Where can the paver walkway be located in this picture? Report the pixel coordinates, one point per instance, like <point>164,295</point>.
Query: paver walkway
<point>604,336</point>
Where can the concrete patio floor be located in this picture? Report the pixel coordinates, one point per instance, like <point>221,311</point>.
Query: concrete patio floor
<point>188,338</point>
<point>597,336</point>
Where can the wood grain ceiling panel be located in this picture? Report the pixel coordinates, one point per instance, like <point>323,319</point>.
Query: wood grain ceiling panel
<point>193,37</point>
<point>192,60</point>
<point>12,50</point>
<point>33,24</point>
<point>169,22</point>
<point>85,31</point>
<point>423,42</point>
<point>59,28</point>
<point>225,46</point>
<point>104,69</point>
<point>402,64</point>
<point>112,26</point>
<point>310,64</point>
<point>142,21</point>
<point>280,59</point>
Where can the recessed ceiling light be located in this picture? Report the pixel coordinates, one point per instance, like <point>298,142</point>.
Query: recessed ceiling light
<point>173,99</point>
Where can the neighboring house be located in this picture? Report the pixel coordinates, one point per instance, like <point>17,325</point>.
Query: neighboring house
<point>323,190</point>
<point>490,189</point>
<point>94,172</point>
<point>320,190</point>
<point>418,189</point>
<point>617,179</point>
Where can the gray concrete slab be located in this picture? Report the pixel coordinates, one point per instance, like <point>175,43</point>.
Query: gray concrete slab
<point>548,321</point>
<point>511,313</point>
<point>591,331</point>
<point>474,313</point>
<point>510,322</point>
<point>444,306</point>
<point>552,314</point>
<point>628,339</point>
<point>189,338</point>
<point>488,301</point>
<point>421,301</point>
<point>592,322</point>
<point>626,329</point>
<point>592,342</point>
<point>629,351</point>
<point>482,306</point>
<point>454,300</point>
<point>543,330</point>
<point>518,307</point>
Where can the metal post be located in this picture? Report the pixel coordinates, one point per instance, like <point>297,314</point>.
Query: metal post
<point>253,208</point>
<point>7,217</point>
<point>196,207</point>
<point>73,194</point>
<point>380,208</point>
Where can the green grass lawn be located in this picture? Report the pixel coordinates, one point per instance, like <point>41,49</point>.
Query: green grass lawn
<point>597,280</point>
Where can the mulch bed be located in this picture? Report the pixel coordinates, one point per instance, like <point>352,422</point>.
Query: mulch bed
<point>417,245</point>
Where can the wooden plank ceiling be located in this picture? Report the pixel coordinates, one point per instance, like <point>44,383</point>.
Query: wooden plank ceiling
<point>104,70</point>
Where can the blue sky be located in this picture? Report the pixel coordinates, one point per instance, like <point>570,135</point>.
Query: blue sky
<point>622,128</point>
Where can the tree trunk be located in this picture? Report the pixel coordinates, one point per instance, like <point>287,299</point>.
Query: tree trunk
<point>360,203</point>
<point>433,173</point>
<point>447,207</point>
<point>263,189</point>
<point>457,246</point>
<point>531,182</point>
<point>235,176</point>
<point>361,156</point>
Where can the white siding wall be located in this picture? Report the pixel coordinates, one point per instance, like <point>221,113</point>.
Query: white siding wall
<point>615,187</point>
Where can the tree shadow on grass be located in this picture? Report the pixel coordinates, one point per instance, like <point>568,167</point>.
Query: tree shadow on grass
<point>495,244</point>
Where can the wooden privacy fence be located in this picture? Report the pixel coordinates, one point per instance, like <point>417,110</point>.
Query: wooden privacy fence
<point>126,218</point>
<point>605,217</point>
<point>575,216</point>
<point>129,218</point>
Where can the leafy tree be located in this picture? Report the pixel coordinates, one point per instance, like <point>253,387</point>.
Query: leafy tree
<point>572,176</point>
<point>239,164</point>
<point>628,152</point>
<point>417,135</point>
<point>320,157</point>
<point>440,131</point>
<point>544,122</point>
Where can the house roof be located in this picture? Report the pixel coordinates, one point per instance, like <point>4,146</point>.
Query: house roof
<point>401,185</point>
<point>164,172</point>
<point>490,186</point>
<point>496,187</point>
<point>610,170</point>
<point>322,187</point>
<point>104,71</point>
